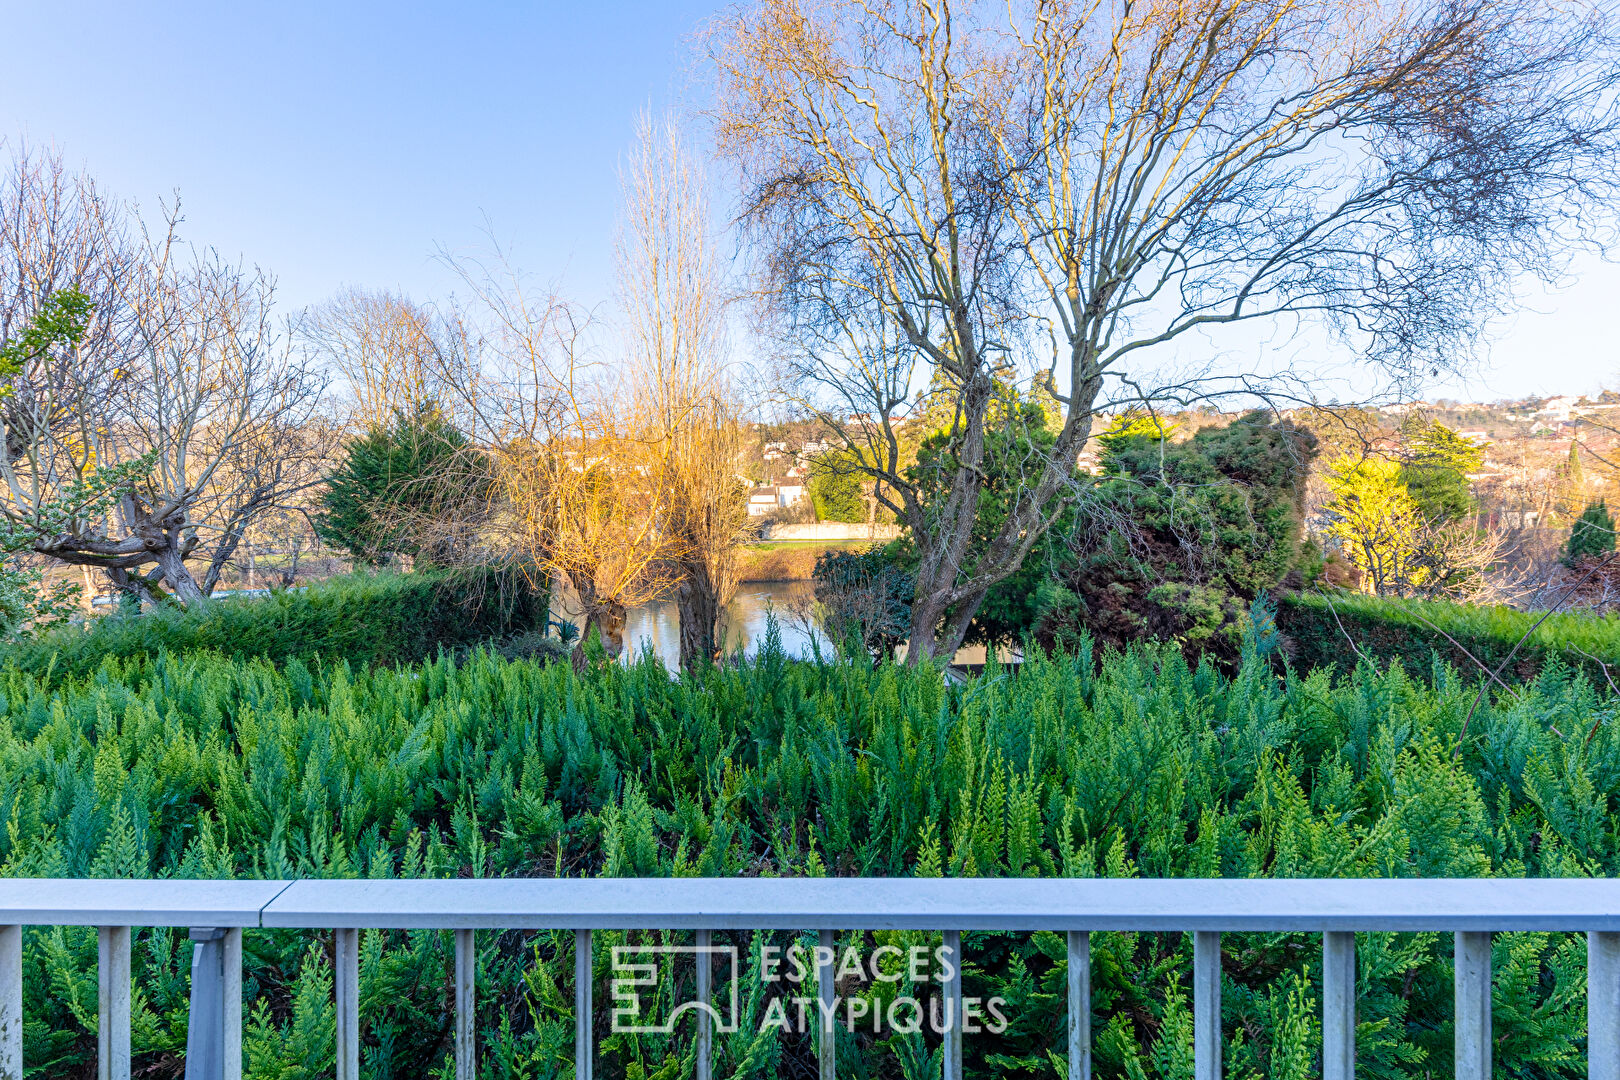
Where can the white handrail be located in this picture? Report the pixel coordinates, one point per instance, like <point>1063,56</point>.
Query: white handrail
<point>1338,908</point>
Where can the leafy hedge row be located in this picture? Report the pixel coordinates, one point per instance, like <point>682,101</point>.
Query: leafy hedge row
<point>200,766</point>
<point>1410,630</point>
<point>364,619</point>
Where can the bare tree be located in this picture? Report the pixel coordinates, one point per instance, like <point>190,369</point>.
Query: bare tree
<point>977,202</point>
<point>672,293</point>
<point>155,437</point>
<point>265,481</point>
<point>393,354</point>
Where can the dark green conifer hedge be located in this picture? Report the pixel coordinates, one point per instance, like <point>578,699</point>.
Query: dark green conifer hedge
<point>366,619</point>
<point>1320,630</point>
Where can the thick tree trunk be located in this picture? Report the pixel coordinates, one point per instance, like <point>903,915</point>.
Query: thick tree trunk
<point>609,618</point>
<point>172,561</point>
<point>698,602</point>
<point>133,589</point>
<point>943,542</point>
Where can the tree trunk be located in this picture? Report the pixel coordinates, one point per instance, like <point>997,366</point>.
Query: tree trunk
<point>698,603</point>
<point>133,588</point>
<point>607,615</point>
<point>176,574</point>
<point>944,543</point>
<point>926,612</point>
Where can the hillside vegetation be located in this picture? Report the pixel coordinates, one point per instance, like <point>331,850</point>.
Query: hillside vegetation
<point>205,766</point>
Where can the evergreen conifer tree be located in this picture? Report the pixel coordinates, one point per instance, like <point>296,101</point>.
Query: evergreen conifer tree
<point>1592,534</point>
<point>401,488</point>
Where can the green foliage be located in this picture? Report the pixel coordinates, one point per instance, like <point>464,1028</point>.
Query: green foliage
<point>59,324</point>
<point>398,484</point>
<point>865,596</point>
<point>1178,538</point>
<point>200,766</point>
<point>1377,523</point>
<point>837,490</point>
<point>1592,535</point>
<point>1411,630</point>
<point>365,619</point>
<point>1435,472</point>
<point>1134,429</point>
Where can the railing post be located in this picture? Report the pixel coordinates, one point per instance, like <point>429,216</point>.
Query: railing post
<point>346,986</point>
<point>466,1005</point>
<point>705,1023</point>
<point>233,1003</point>
<point>827,1048</point>
<point>1473,989</point>
<point>1079,1005</point>
<point>11,1058</point>
<point>584,1055</point>
<point>1338,1005</point>
<point>112,977</point>
<point>1603,1006</point>
<point>205,1026</point>
<point>1206,1005</point>
<point>953,1007</point>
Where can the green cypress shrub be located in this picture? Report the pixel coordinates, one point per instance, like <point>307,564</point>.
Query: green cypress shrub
<point>1140,765</point>
<point>416,475</point>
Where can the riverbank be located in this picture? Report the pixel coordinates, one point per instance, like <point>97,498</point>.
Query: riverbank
<point>789,560</point>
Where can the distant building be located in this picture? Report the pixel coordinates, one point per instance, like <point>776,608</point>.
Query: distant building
<point>1558,408</point>
<point>763,500</point>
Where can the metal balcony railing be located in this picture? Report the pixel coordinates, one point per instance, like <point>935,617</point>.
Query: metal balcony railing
<point>217,911</point>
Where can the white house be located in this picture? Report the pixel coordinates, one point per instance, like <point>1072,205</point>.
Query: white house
<point>1558,408</point>
<point>762,500</point>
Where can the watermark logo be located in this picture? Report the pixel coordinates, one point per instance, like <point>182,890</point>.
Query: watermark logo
<point>639,970</point>
<point>645,978</point>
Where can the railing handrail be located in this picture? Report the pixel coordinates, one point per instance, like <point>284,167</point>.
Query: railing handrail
<point>1010,904</point>
<point>217,911</point>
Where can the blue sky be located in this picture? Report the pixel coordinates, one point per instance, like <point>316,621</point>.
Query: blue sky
<point>337,143</point>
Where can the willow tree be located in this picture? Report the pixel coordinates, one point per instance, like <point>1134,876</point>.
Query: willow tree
<point>672,292</point>
<point>958,207</point>
<point>570,484</point>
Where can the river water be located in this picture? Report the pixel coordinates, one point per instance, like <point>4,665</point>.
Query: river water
<point>656,626</point>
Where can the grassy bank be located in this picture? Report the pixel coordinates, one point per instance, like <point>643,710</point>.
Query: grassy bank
<point>789,560</point>
<point>1416,631</point>
<point>203,766</point>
